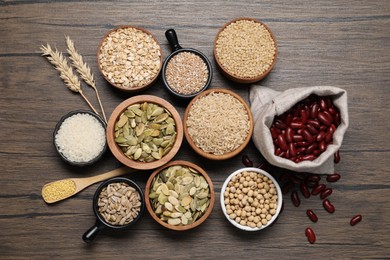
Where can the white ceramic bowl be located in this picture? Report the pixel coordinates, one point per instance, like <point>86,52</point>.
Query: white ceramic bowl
<point>279,202</point>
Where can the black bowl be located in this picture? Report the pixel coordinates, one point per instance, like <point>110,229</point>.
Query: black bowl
<point>173,41</point>
<point>57,127</point>
<point>101,224</point>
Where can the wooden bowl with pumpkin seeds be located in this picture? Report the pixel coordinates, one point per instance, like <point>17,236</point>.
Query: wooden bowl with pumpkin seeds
<point>144,132</point>
<point>179,195</point>
<point>130,58</point>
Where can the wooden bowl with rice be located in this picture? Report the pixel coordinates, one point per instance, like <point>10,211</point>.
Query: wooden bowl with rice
<point>218,124</point>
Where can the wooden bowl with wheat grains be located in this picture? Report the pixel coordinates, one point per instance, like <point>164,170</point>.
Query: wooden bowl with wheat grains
<point>218,124</point>
<point>245,50</point>
<point>130,58</point>
<point>144,132</point>
<point>184,205</point>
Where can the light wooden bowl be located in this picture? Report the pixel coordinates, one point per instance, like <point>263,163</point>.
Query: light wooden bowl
<point>214,156</point>
<point>118,86</point>
<point>118,153</point>
<point>244,80</point>
<point>179,227</point>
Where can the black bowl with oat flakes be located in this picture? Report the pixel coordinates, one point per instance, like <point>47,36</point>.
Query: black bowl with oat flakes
<point>130,58</point>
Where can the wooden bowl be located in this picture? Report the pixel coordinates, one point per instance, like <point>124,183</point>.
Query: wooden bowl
<point>229,74</point>
<point>118,153</point>
<point>179,227</point>
<point>210,155</point>
<point>116,83</point>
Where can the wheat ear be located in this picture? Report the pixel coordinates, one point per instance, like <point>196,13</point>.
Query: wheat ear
<point>66,73</point>
<point>83,69</point>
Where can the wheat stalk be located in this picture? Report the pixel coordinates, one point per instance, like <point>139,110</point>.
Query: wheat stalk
<point>83,69</point>
<point>66,73</point>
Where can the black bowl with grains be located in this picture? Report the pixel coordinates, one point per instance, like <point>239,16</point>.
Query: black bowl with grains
<point>186,72</point>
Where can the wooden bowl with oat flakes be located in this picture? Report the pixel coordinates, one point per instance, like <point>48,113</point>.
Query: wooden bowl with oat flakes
<point>144,132</point>
<point>218,124</point>
<point>130,58</point>
<point>245,50</point>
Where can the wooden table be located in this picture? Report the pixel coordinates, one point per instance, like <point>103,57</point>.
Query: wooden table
<point>340,43</point>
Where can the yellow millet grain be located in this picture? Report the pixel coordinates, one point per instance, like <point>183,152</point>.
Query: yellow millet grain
<point>58,190</point>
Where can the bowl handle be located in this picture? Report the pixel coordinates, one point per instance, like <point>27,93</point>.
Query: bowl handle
<point>172,39</point>
<point>91,233</point>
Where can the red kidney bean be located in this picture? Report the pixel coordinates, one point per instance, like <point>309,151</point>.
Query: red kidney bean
<point>311,184</point>
<point>329,101</point>
<point>333,177</point>
<point>246,161</point>
<point>328,115</point>
<point>337,157</point>
<point>321,135</point>
<point>311,237</point>
<point>324,119</point>
<point>328,206</point>
<point>313,177</point>
<point>314,122</point>
<point>323,104</point>
<point>332,110</point>
<point>300,150</point>
<point>323,128</point>
<point>296,125</point>
<point>316,152</point>
<point>287,187</point>
<point>279,124</point>
<point>278,151</point>
<point>313,217</point>
<point>356,219</point>
<point>304,116</point>
<point>289,135</point>
<point>295,198</point>
<point>292,149</point>
<point>307,136</point>
<point>287,155</point>
<point>304,190</point>
<point>288,119</point>
<point>325,193</point>
<point>308,157</point>
<point>312,129</point>
<point>295,179</point>
<point>274,132</point>
<point>310,149</point>
<point>329,135</point>
<point>282,154</point>
<point>322,146</point>
<point>337,119</point>
<point>318,189</point>
<point>302,143</point>
<point>314,110</point>
<point>282,142</point>
<point>297,138</point>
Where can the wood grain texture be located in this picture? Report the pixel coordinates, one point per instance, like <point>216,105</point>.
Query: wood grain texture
<point>339,43</point>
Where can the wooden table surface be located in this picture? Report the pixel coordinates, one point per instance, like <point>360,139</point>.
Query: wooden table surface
<point>339,43</point>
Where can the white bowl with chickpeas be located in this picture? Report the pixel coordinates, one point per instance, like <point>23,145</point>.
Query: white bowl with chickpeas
<point>251,199</point>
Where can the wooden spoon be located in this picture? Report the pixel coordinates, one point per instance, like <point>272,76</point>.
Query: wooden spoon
<point>62,189</point>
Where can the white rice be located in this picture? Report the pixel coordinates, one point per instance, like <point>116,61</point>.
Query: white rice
<point>80,138</point>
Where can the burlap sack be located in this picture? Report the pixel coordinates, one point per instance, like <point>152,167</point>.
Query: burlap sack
<point>266,103</point>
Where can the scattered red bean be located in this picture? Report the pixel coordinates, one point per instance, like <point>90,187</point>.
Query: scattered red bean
<point>287,187</point>
<point>311,237</point>
<point>333,177</point>
<point>295,199</point>
<point>328,206</point>
<point>325,193</point>
<point>318,189</point>
<point>314,177</point>
<point>246,161</point>
<point>313,217</point>
<point>305,190</point>
<point>356,219</point>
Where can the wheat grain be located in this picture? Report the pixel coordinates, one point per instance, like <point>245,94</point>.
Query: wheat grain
<point>83,69</point>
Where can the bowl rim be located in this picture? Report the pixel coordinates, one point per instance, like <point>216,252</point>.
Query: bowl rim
<point>138,88</point>
<point>278,189</point>
<point>244,80</point>
<point>197,222</point>
<point>196,52</point>
<point>116,151</point>
<point>58,126</point>
<point>226,155</point>
<point>116,180</point>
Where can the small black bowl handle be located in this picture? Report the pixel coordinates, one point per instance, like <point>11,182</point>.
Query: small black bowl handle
<point>91,233</point>
<point>172,39</point>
